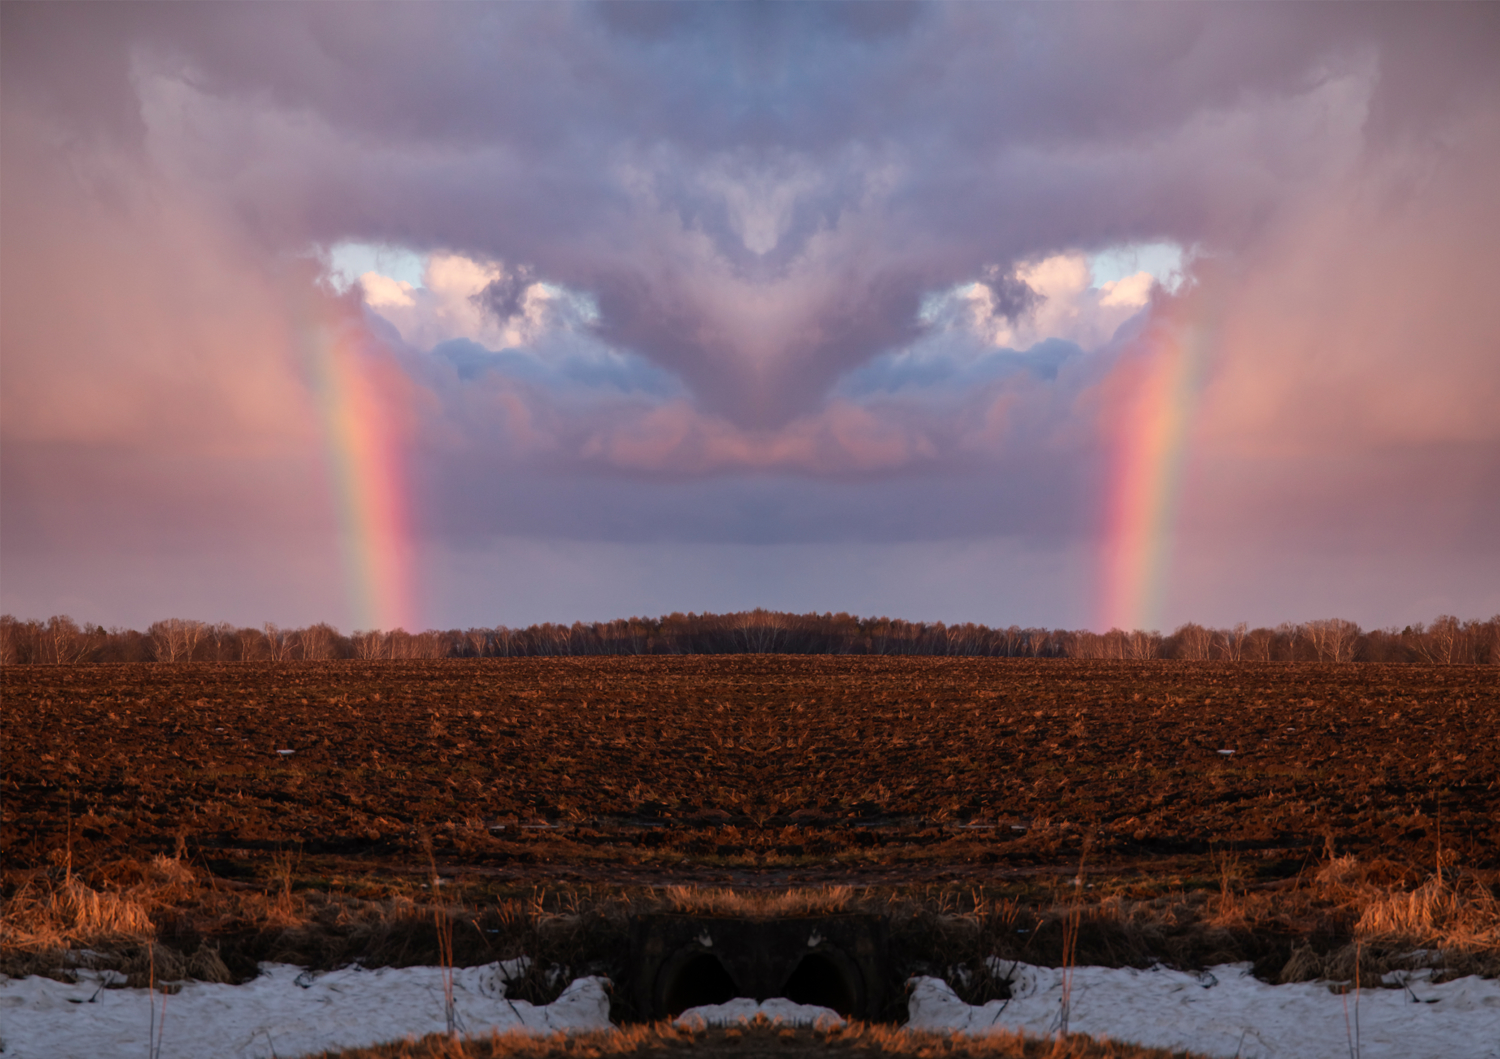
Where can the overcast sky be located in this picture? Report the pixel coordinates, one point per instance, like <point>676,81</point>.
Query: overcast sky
<point>445,315</point>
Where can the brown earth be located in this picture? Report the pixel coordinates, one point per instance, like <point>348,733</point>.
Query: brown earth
<point>216,815</point>
<point>763,1040</point>
<point>754,769</point>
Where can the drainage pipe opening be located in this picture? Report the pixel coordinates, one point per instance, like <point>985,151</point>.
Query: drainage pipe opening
<point>699,980</point>
<point>819,980</point>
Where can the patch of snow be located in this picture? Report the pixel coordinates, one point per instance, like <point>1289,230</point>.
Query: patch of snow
<point>744,1010</point>
<point>1228,1012</point>
<point>285,1012</point>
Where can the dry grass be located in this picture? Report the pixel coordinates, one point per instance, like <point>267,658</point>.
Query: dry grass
<point>41,916</point>
<point>114,916</point>
<point>127,901</point>
<point>723,901</point>
<point>759,1038</point>
<point>1435,915</point>
<point>1342,921</point>
<point>1343,918</point>
<point>42,925</point>
<point>1450,921</point>
<point>166,917</point>
<point>1448,910</point>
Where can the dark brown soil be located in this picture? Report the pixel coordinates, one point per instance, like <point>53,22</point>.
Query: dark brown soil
<point>764,1041</point>
<point>1176,812</point>
<point>747,768</point>
<point>753,769</point>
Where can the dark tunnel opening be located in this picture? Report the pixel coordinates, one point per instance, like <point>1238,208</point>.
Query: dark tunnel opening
<point>818,980</point>
<point>699,980</point>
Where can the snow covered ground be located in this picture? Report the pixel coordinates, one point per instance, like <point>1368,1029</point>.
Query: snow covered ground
<point>288,1012</point>
<point>285,1012</point>
<point>743,1009</point>
<point>1227,1012</point>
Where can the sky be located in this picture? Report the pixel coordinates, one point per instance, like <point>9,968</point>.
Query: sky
<point>447,315</point>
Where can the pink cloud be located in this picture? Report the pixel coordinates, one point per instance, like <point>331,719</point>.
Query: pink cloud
<point>712,282</point>
<point>676,438</point>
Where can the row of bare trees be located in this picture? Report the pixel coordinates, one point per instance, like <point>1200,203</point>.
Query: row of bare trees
<point>61,641</point>
<point>1447,641</point>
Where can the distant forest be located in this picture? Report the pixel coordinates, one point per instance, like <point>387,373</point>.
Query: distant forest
<point>62,641</point>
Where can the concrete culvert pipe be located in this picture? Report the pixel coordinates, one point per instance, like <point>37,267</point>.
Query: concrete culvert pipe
<point>695,980</point>
<point>826,981</point>
<point>682,961</point>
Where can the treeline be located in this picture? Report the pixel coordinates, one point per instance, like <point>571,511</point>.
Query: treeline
<point>62,641</point>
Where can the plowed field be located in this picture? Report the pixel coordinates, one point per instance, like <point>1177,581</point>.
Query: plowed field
<point>753,767</point>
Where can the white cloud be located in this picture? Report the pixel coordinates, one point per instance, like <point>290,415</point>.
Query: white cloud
<point>384,291</point>
<point>349,262</point>
<point>1131,291</point>
<point>1166,262</point>
<point>1067,305</point>
<point>450,303</point>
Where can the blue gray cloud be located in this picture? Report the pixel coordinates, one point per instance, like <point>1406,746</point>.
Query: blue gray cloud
<point>746,274</point>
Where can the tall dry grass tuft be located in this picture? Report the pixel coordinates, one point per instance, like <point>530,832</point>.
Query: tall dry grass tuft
<point>722,901</point>
<point>1435,915</point>
<point>763,1037</point>
<point>1449,910</point>
<point>284,908</point>
<point>1231,908</point>
<point>122,905</point>
<point>75,913</point>
<point>442,921</point>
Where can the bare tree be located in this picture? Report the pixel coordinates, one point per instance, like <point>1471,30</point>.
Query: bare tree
<point>251,643</point>
<point>367,643</point>
<point>427,644</point>
<point>175,639</point>
<point>760,630</point>
<point>1334,639</point>
<point>224,637</point>
<point>66,643</point>
<point>280,643</point>
<point>320,642</point>
<point>1316,635</point>
<point>1144,645</point>
<point>10,637</point>
<point>478,641</point>
<point>1343,639</point>
<point>1194,641</point>
<point>1233,641</point>
<point>1294,635</point>
<point>1442,640</point>
<point>1446,641</point>
<point>1110,644</point>
<point>1259,643</point>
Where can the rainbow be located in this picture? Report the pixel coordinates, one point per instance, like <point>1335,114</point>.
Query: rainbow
<point>364,454</point>
<point>1155,416</point>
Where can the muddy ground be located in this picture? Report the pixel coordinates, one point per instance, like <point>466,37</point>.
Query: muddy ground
<point>753,769</point>
<point>1052,811</point>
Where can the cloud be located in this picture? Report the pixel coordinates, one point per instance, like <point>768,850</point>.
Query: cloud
<point>754,273</point>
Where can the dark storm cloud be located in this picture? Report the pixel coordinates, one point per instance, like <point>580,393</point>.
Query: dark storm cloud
<point>503,296</point>
<point>806,272</point>
<point>576,139</point>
